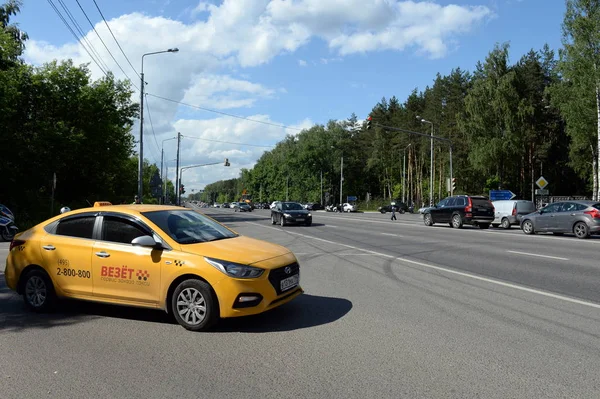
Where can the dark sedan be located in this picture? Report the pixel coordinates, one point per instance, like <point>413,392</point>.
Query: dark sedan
<point>290,213</point>
<point>401,207</point>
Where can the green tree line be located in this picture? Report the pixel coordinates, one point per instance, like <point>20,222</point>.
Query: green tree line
<point>509,123</point>
<point>55,119</point>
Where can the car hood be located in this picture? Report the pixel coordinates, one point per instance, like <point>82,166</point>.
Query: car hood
<point>244,250</point>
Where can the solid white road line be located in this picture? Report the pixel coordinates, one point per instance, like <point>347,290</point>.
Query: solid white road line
<point>391,235</point>
<point>451,271</point>
<point>538,255</point>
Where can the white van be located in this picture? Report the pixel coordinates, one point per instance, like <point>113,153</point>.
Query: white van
<point>511,211</point>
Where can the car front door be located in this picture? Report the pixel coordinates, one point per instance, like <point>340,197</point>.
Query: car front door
<point>121,271</point>
<point>546,221</point>
<point>437,211</point>
<point>67,252</point>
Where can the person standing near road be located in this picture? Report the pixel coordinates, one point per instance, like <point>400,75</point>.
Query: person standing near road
<point>393,213</point>
<point>136,200</point>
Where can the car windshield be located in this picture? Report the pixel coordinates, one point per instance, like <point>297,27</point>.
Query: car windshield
<point>188,227</point>
<point>292,206</point>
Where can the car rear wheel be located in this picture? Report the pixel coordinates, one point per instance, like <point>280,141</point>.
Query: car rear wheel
<point>38,292</point>
<point>505,224</point>
<point>527,227</point>
<point>194,306</point>
<point>581,230</point>
<point>427,219</point>
<point>457,221</point>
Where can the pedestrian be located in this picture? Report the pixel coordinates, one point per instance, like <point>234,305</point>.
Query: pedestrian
<point>393,213</point>
<point>136,200</point>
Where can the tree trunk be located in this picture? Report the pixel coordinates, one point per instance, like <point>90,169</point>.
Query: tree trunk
<point>596,167</point>
<point>594,175</point>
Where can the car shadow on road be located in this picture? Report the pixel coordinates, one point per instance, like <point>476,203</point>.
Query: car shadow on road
<point>303,312</point>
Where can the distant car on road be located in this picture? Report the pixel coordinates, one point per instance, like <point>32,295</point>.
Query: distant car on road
<point>242,207</point>
<point>581,218</point>
<point>290,213</point>
<point>401,207</point>
<point>460,210</point>
<point>349,207</point>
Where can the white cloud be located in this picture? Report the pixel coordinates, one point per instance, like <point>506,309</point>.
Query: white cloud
<point>223,92</point>
<point>248,33</point>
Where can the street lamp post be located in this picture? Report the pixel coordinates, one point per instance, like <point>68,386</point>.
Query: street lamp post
<point>162,176</point>
<point>141,152</point>
<point>431,161</point>
<point>184,168</point>
<point>404,175</point>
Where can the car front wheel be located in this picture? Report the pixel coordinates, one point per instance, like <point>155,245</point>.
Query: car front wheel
<point>428,220</point>
<point>194,306</point>
<point>527,227</point>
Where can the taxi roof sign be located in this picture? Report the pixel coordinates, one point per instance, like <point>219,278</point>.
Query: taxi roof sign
<point>101,203</point>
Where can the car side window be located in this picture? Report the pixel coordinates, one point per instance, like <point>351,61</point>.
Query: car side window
<point>451,202</point>
<point>553,208</point>
<point>570,207</point>
<point>116,229</point>
<point>460,201</point>
<point>82,227</point>
<point>442,203</point>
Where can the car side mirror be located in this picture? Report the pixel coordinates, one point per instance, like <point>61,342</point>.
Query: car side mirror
<point>146,241</point>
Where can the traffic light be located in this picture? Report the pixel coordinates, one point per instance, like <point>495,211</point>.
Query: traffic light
<point>369,121</point>
<point>182,189</point>
<point>227,162</point>
<point>453,184</point>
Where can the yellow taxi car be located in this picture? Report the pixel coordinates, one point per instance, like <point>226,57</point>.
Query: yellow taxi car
<point>152,256</point>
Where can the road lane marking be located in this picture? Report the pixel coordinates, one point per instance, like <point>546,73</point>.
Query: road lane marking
<point>451,271</point>
<point>391,235</point>
<point>537,255</point>
<point>329,225</point>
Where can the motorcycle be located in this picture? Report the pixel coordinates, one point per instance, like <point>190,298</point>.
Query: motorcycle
<point>7,224</point>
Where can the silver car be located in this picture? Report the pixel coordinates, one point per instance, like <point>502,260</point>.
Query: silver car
<point>581,218</point>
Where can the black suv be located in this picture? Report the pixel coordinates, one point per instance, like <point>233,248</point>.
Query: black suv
<point>461,209</point>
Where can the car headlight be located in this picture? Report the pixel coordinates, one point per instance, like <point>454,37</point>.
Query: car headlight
<point>235,269</point>
<point>309,215</point>
<point>287,215</point>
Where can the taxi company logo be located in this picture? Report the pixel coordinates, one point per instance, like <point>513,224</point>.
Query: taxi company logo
<point>142,274</point>
<point>287,270</point>
<point>179,262</point>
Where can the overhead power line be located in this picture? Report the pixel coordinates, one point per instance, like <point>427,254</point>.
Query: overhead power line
<point>116,41</point>
<point>105,46</point>
<point>152,125</point>
<point>229,142</point>
<point>82,34</point>
<point>57,11</point>
<point>226,114</point>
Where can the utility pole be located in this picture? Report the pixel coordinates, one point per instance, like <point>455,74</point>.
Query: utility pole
<point>177,170</point>
<point>341,178</point>
<point>141,154</point>
<point>162,176</point>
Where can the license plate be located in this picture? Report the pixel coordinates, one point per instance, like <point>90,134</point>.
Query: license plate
<point>289,282</point>
<point>299,219</point>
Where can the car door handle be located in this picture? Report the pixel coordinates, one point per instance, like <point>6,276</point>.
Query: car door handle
<point>102,254</point>
<point>49,247</point>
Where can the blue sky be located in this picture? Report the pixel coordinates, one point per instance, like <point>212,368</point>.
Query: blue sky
<point>310,62</point>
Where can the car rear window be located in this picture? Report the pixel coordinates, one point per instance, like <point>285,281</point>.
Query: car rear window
<point>481,202</point>
<point>528,207</point>
<point>597,206</point>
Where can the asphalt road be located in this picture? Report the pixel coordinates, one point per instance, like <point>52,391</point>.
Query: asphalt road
<point>392,309</point>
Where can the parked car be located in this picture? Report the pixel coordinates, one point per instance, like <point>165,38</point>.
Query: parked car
<point>460,210</point>
<point>581,218</point>
<point>510,212</point>
<point>347,207</point>
<point>290,213</point>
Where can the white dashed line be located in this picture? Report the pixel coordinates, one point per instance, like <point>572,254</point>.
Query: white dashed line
<point>537,255</point>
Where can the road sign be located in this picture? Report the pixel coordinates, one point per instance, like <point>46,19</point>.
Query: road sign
<point>541,182</point>
<point>500,195</point>
<point>351,198</point>
<point>542,192</point>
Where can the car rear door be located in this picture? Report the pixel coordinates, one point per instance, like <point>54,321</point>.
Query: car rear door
<point>565,219</point>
